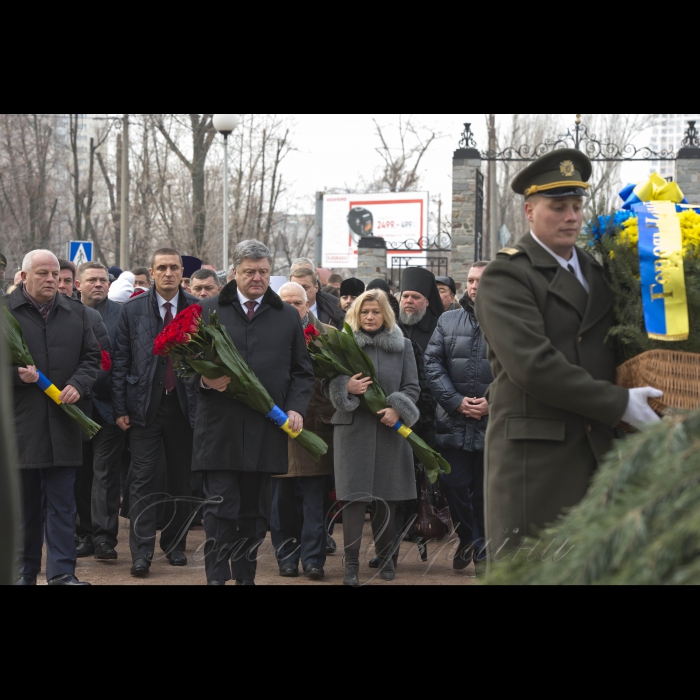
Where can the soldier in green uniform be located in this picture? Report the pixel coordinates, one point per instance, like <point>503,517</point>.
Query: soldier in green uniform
<point>545,309</point>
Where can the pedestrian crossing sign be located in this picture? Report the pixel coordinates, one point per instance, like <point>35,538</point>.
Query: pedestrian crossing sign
<point>80,252</point>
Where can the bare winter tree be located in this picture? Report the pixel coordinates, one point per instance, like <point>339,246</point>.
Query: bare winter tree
<point>82,179</point>
<point>202,137</point>
<point>402,149</point>
<point>27,182</point>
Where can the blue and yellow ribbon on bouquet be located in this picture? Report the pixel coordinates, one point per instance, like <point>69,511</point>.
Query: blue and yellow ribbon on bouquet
<point>402,430</point>
<point>281,420</point>
<point>655,189</point>
<point>49,388</point>
<point>662,272</point>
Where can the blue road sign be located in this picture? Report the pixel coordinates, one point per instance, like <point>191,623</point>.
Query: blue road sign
<point>80,252</point>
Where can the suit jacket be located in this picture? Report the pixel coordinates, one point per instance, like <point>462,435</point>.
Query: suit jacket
<point>137,374</point>
<point>553,402</point>
<point>229,436</point>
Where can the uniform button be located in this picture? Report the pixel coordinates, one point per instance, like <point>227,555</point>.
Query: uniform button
<point>580,340</point>
<point>590,428</point>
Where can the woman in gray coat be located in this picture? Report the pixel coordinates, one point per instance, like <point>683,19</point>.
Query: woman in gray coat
<point>373,463</point>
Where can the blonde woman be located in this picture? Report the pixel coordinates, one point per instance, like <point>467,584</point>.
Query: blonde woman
<point>373,463</point>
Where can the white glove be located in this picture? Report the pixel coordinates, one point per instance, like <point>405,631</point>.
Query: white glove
<point>639,413</point>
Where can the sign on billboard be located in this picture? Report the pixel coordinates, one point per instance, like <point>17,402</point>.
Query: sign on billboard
<point>401,218</point>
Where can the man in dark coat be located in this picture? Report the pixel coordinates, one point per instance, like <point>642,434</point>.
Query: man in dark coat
<point>325,307</point>
<point>63,346</point>
<point>545,309</point>
<point>83,476</point>
<point>297,521</point>
<point>421,305</point>
<point>459,374</point>
<point>105,451</point>
<point>237,448</point>
<point>152,402</point>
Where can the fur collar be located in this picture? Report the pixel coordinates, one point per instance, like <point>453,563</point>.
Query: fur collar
<point>229,296</point>
<point>389,341</point>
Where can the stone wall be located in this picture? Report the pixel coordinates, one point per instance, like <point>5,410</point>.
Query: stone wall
<point>464,168</point>
<point>688,177</point>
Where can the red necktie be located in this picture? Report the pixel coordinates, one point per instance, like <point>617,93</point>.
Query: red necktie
<point>251,308</point>
<point>170,370</point>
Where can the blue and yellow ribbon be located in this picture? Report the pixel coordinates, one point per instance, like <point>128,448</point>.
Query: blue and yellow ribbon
<point>663,275</point>
<point>50,389</point>
<point>402,430</point>
<point>655,189</point>
<point>281,420</point>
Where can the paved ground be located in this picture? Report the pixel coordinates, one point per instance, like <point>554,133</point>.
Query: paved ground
<point>437,571</point>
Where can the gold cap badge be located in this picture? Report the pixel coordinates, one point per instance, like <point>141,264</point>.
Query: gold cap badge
<point>567,168</point>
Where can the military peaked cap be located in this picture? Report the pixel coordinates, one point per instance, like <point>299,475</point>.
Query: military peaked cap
<point>562,173</point>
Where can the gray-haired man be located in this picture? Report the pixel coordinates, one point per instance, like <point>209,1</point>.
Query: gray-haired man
<point>235,447</point>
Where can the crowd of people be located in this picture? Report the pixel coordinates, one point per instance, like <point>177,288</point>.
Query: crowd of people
<point>523,348</point>
<point>220,463</point>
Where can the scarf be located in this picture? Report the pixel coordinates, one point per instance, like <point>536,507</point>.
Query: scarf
<point>43,309</point>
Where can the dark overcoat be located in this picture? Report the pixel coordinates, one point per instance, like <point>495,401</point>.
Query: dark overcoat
<point>553,403</point>
<point>65,350</point>
<point>319,420</point>
<point>372,461</point>
<point>229,436</point>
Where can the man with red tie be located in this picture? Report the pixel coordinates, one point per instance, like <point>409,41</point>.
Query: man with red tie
<point>159,410</point>
<point>236,448</point>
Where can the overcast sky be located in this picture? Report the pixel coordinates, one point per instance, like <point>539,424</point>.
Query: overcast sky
<point>335,150</point>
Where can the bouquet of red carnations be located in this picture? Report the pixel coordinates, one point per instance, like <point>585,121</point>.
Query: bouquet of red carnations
<point>208,350</point>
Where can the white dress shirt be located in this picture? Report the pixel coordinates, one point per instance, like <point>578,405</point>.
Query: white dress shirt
<point>162,303</point>
<point>574,263</point>
<point>244,300</point>
<point>314,309</point>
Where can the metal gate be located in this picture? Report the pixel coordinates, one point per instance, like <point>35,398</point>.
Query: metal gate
<point>437,258</point>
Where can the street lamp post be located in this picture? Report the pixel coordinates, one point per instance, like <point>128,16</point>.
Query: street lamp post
<point>226,124</point>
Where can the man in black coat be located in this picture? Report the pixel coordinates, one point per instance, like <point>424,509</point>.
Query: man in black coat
<point>83,475</point>
<point>459,373</point>
<point>421,305</point>
<point>103,458</point>
<point>63,346</point>
<point>237,448</point>
<point>152,402</point>
<point>324,307</point>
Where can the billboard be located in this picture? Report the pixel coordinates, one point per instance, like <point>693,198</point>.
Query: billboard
<point>401,218</point>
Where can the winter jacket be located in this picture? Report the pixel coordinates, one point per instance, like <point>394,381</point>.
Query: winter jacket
<point>457,367</point>
<point>136,390</point>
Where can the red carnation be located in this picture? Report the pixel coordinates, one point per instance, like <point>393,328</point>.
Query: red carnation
<point>106,361</point>
<point>310,333</point>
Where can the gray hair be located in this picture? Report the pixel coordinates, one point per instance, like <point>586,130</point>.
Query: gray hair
<point>303,262</point>
<point>250,250</point>
<point>230,273</point>
<point>28,261</point>
<point>294,287</point>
